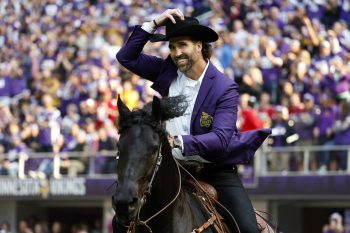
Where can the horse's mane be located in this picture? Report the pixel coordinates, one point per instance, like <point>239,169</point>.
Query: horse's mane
<point>168,108</point>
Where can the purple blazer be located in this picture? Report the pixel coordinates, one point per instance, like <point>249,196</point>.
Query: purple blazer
<point>214,135</point>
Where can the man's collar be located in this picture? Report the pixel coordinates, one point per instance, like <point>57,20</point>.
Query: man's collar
<point>191,82</point>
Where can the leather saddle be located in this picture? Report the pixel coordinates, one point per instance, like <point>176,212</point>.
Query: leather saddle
<point>208,197</point>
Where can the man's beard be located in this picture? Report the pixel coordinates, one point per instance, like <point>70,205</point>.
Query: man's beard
<point>186,67</point>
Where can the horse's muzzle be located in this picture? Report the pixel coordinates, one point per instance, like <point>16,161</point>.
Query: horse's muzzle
<point>125,208</point>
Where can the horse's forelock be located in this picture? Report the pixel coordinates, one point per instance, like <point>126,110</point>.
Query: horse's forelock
<point>141,117</point>
<point>170,107</point>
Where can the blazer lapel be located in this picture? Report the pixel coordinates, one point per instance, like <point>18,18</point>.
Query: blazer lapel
<point>206,85</point>
<point>163,82</point>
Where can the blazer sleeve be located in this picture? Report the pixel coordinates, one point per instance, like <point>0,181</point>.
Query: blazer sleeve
<point>224,145</point>
<point>214,143</point>
<point>132,58</point>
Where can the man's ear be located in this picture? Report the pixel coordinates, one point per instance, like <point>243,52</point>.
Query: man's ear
<point>199,45</point>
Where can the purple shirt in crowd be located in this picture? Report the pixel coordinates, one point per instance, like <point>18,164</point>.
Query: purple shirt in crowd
<point>17,85</point>
<point>5,86</point>
<point>326,118</point>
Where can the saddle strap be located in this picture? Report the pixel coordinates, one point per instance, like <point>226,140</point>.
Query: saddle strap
<point>206,225</point>
<point>216,220</point>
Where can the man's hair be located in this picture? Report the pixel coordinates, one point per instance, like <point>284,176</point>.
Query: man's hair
<point>207,49</point>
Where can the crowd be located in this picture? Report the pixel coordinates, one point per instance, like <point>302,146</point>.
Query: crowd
<point>59,78</point>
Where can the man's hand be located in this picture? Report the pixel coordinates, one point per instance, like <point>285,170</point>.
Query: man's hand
<point>171,141</point>
<point>169,14</point>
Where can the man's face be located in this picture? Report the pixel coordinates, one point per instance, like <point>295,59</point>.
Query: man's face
<point>184,52</point>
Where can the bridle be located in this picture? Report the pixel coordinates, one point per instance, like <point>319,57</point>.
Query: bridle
<point>158,162</point>
<point>137,221</point>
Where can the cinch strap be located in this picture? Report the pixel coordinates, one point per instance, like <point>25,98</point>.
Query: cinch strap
<point>206,225</point>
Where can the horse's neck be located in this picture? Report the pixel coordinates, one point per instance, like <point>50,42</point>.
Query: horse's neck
<point>164,191</point>
<point>181,216</point>
<point>166,185</point>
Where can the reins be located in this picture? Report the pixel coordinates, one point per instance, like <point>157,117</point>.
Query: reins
<point>212,206</point>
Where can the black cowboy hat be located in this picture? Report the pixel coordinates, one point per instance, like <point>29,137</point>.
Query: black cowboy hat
<point>187,27</point>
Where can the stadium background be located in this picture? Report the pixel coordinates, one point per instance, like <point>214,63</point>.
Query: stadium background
<point>59,78</point>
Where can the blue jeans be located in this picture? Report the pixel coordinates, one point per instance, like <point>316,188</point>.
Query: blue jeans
<point>46,167</point>
<point>324,157</point>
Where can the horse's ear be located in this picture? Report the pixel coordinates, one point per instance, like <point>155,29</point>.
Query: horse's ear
<point>156,108</point>
<point>122,108</point>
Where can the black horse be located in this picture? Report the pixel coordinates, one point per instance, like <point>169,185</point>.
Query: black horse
<point>149,195</point>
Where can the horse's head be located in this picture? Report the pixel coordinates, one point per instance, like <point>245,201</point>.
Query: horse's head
<point>141,135</point>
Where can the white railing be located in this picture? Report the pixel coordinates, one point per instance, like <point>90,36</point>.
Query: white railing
<point>261,162</point>
<point>56,161</point>
<point>304,153</point>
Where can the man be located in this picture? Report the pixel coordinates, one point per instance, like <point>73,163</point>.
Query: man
<point>207,131</point>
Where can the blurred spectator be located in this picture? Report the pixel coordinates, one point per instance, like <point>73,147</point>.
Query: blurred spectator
<point>295,105</point>
<point>49,124</point>
<point>92,136</point>
<point>283,134</point>
<point>105,144</point>
<point>97,226</point>
<point>305,120</point>
<point>78,163</point>
<point>299,75</point>
<point>270,64</point>
<point>250,117</point>
<point>41,227</point>
<point>49,118</point>
<point>23,227</point>
<point>321,62</point>
<point>252,82</point>
<point>5,227</point>
<point>338,80</point>
<point>70,119</point>
<point>30,132</point>
<point>129,95</point>
<point>225,49</point>
<point>325,119</point>
<point>17,149</point>
<point>75,164</point>
<point>266,110</point>
<point>107,109</point>
<point>286,93</point>
<point>341,130</point>
<point>4,162</point>
<point>304,123</point>
<point>331,13</point>
<point>80,228</point>
<point>88,110</point>
<point>335,224</point>
<point>11,131</point>
<point>56,227</point>
<point>5,115</point>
